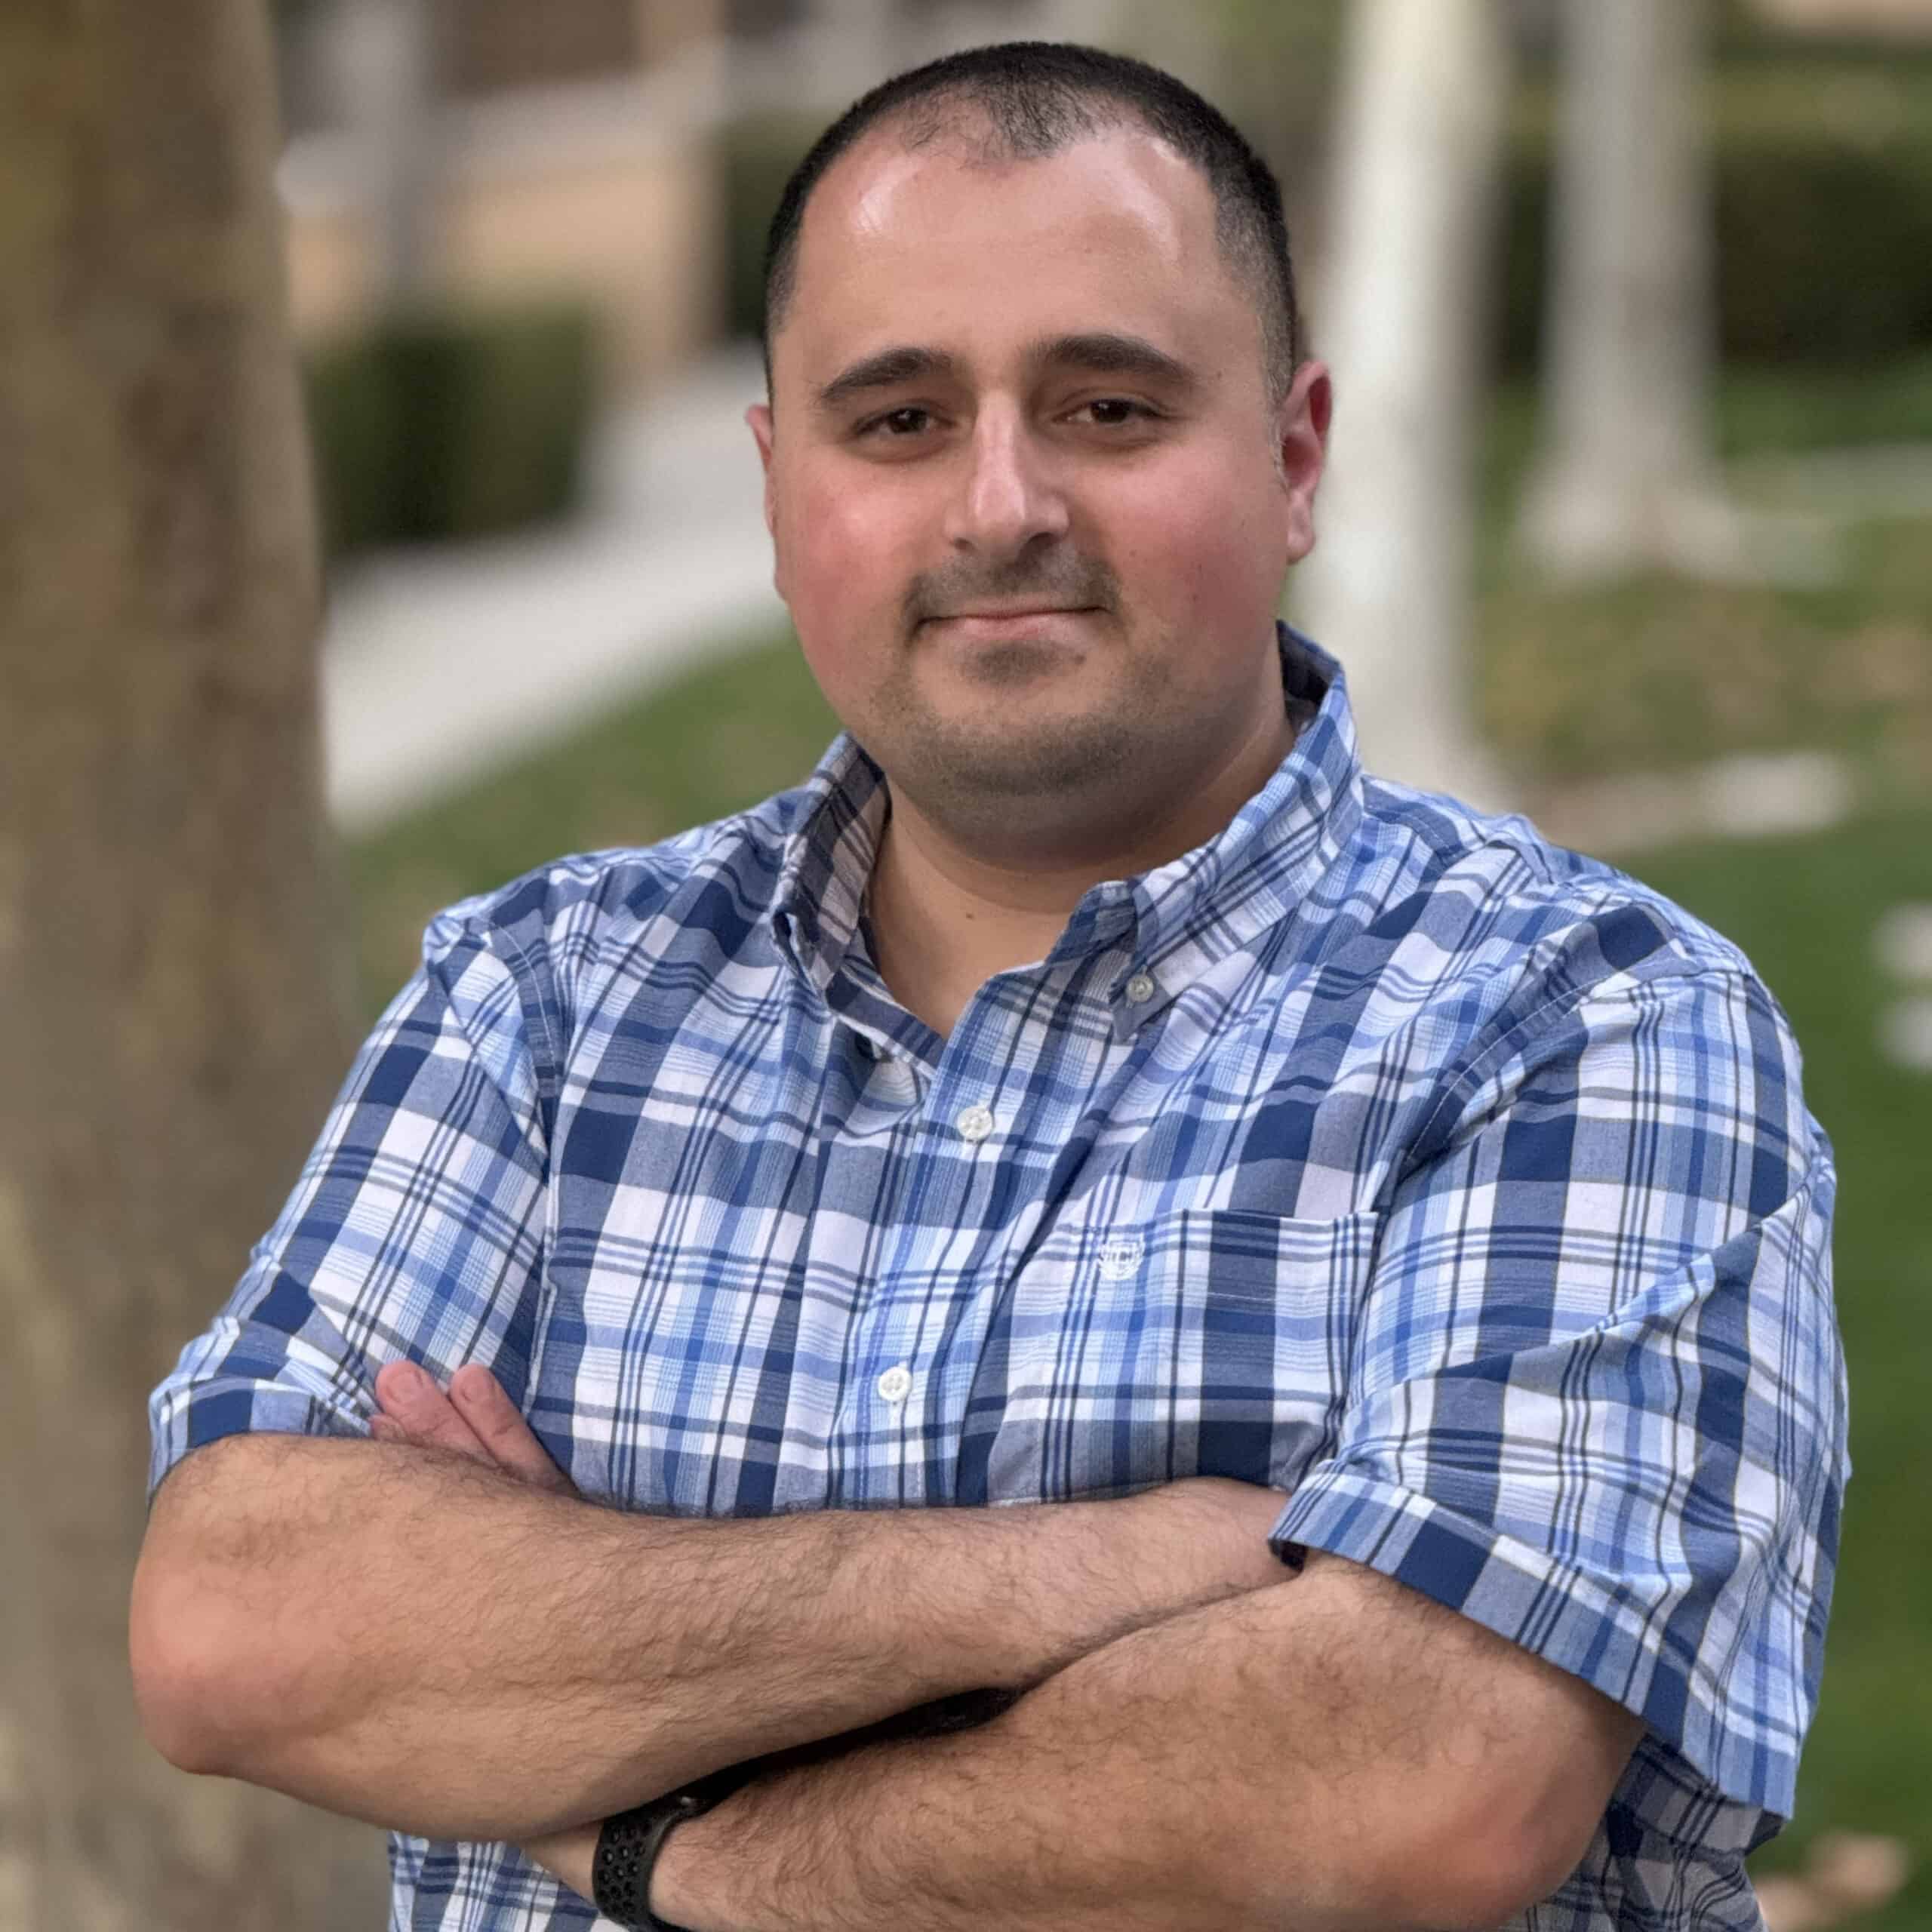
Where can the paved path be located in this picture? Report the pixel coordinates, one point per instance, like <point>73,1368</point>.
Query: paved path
<point>440,665</point>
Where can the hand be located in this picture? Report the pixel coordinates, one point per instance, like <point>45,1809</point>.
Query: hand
<point>476,1419</point>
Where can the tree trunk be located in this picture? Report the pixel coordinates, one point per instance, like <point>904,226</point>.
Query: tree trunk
<point>1628,477</point>
<point>1390,586</point>
<point>1629,467</point>
<point>173,974</point>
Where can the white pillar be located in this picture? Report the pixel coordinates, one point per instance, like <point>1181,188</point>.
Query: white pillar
<point>1389,587</point>
<point>384,77</point>
<point>1628,472</point>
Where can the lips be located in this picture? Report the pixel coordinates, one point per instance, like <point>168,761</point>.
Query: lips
<point>1017,611</point>
<point>1013,616</point>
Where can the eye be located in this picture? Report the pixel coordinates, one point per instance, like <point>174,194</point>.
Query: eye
<point>1116,412</point>
<point>897,424</point>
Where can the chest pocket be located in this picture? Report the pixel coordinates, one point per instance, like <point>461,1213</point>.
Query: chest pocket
<point>1207,1343</point>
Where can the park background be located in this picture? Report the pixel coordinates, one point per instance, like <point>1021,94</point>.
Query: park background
<point>1630,305</point>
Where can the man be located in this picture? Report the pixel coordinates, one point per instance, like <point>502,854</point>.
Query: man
<point>1378,1260</point>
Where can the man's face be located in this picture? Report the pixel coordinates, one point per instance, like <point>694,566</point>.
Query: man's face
<point>1031,502</point>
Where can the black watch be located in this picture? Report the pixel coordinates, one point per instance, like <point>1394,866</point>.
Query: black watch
<point>628,1846</point>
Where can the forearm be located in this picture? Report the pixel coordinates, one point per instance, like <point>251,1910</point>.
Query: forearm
<point>1330,1753</point>
<point>1114,1796</point>
<point>418,1641</point>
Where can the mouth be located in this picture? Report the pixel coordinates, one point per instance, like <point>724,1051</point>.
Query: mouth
<point>1002,623</point>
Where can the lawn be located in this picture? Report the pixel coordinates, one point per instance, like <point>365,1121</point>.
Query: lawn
<point>1654,673</point>
<point>1631,677</point>
<point>747,725</point>
<point>1805,909</point>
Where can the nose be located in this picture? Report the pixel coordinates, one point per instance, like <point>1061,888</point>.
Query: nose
<point>1007,497</point>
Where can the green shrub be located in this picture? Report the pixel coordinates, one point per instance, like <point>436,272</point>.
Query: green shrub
<point>441,425</point>
<point>1823,180</point>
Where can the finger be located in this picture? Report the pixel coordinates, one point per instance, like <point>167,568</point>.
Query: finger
<point>499,1425</point>
<point>425,1415</point>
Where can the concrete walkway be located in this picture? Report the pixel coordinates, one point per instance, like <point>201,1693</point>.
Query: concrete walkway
<point>439,666</point>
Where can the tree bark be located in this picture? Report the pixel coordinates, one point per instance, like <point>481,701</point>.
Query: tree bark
<point>1389,585</point>
<point>173,971</point>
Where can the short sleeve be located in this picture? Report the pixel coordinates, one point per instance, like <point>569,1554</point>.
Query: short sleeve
<point>415,1229</point>
<point>1596,1399</point>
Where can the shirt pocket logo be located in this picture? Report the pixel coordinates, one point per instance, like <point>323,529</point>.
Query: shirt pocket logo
<point>1120,1257</point>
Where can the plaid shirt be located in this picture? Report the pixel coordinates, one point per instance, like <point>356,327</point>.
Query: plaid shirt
<point>1376,1151</point>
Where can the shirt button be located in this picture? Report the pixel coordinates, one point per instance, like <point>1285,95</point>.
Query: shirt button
<point>974,1123</point>
<point>896,1384</point>
<point>1139,989</point>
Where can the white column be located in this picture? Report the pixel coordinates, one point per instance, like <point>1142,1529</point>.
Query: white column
<point>1389,587</point>
<point>1629,342</point>
<point>384,79</point>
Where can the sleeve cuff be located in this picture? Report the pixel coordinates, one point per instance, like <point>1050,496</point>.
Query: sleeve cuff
<point>239,1407</point>
<point>1600,1631</point>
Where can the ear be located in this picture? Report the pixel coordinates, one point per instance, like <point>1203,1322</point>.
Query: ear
<point>1301,447</point>
<point>759,417</point>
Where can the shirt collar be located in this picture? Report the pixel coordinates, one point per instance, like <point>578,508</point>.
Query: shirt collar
<point>1182,916</point>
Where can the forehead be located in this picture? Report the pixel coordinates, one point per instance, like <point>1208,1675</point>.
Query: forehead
<point>940,245</point>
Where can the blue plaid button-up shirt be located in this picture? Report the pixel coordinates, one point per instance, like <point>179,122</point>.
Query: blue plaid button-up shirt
<point>1375,1150</point>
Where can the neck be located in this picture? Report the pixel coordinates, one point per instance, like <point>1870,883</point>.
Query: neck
<point>946,916</point>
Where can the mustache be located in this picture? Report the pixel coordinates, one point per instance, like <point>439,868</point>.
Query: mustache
<point>1064,579</point>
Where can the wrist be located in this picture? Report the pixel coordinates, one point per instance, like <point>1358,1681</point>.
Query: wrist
<point>684,1883</point>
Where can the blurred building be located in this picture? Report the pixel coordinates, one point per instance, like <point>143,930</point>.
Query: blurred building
<point>472,149</point>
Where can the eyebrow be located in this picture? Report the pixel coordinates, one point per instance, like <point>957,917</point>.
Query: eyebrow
<point>886,370</point>
<point>1106,353</point>
<point>1100,352</point>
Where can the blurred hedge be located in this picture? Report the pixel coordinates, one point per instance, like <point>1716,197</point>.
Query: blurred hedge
<point>1823,177</point>
<point>448,424</point>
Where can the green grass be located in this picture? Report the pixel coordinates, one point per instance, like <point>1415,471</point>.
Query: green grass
<point>1805,910</point>
<point>1653,673</point>
<point>1767,409</point>
<point>723,737</point>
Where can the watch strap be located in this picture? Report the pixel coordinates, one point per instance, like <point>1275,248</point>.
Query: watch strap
<point>628,1844</point>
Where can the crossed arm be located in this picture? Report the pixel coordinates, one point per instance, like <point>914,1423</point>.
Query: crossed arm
<point>1202,1744</point>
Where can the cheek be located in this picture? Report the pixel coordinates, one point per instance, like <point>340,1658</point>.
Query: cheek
<point>846,555</point>
<point>849,545</point>
<point>1201,547</point>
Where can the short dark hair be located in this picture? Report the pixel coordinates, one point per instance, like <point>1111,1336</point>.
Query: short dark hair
<point>1036,98</point>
